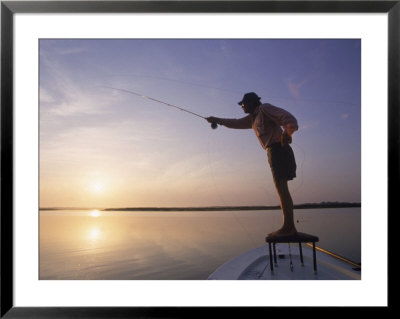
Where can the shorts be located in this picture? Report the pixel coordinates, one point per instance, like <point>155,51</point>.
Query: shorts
<point>282,162</point>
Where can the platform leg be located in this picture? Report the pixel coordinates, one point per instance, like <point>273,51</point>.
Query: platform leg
<point>276,263</point>
<point>301,254</point>
<point>270,258</point>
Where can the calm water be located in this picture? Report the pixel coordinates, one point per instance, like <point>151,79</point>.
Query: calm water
<point>175,245</point>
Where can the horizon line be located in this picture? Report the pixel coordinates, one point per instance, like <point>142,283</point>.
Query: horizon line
<point>320,204</point>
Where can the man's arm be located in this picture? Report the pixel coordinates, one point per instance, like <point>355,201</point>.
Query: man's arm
<point>281,117</point>
<point>243,123</point>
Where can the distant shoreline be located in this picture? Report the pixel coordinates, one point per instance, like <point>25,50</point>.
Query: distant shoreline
<point>215,208</point>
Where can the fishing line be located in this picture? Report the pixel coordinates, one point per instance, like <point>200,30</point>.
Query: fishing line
<point>296,99</point>
<point>250,237</point>
<point>221,200</point>
<point>301,166</point>
<point>214,126</point>
<point>246,231</point>
<point>174,80</point>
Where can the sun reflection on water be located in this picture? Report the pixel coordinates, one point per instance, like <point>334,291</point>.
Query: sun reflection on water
<point>95,213</point>
<point>94,234</point>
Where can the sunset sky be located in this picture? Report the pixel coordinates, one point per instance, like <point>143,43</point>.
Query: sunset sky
<point>106,148</point>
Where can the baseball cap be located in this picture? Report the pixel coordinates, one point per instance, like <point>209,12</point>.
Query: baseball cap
<point>249,97</point>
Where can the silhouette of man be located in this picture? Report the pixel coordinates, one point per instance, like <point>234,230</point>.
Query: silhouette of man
<point>267,121</point>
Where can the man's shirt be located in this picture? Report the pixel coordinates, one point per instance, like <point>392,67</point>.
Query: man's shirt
<point>266,123</point>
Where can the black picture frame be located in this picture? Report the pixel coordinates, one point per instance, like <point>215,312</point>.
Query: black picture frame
<point>9,8</point>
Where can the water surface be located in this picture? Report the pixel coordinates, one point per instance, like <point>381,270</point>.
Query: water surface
<point>169,245</point>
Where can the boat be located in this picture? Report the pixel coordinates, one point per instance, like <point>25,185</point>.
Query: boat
<point>309,262</point>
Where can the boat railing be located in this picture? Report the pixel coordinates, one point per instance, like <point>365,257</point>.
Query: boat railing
<point>358,266</point>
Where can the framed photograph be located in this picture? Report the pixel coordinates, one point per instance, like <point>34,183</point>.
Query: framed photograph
<point>127,192</point>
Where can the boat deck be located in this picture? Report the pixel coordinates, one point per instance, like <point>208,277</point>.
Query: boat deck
<point>255,265</point>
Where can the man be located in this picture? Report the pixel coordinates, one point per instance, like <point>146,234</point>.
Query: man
<point>266,120</point>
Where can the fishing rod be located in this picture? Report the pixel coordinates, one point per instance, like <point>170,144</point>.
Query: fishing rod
<point>213,125</point>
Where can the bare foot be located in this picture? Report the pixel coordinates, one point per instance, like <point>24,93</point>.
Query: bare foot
<point>283,232</point>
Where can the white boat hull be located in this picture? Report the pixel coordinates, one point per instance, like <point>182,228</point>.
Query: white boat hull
<point>255,265</point>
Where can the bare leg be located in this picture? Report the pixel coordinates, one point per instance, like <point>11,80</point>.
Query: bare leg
<point>288,227</point>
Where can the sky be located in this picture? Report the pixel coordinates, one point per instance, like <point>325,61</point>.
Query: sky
<point>101,147</point>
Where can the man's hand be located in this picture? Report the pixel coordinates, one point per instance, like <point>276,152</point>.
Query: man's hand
<point>290,129</point>
<point>213,119</point>
<point>286,137</point>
